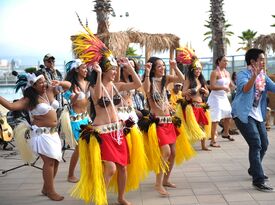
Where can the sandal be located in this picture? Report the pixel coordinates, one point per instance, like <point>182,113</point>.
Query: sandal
<point>214,144</point>
<point>228,137</point>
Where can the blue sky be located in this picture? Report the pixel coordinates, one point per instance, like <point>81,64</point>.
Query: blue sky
<point>32,28</point>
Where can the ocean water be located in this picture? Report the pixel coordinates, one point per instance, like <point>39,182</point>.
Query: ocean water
<point>9,93</point>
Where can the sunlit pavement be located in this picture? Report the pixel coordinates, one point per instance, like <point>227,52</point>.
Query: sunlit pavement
<point>216,177</point>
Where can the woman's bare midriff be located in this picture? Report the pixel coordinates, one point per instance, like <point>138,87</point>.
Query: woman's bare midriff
<point>47,120</point>
<point>80,106</point>
<point>105,115</point>
<point>157,111</point>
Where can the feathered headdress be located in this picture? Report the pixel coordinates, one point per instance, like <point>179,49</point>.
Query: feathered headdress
<point>90,49</point>
<point>188,56</point>
<point>73,64</point>
<point>26,80</point>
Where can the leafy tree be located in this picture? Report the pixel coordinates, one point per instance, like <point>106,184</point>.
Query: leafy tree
<point>247,38</point>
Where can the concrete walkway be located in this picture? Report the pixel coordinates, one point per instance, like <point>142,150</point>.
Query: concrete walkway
<point>217,177</point>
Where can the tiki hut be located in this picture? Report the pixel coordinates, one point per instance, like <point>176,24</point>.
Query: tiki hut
<point>265,42</point>
<point>119,42</point>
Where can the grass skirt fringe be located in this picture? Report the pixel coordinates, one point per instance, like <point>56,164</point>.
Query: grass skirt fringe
<point>66,127</point>
<point>137,170</point>
<point>184,150</point>
<point>91,186</point>
<point>196,133</point>
<point>156,162</point>
<point>207,128</point>
<point>24,148</point>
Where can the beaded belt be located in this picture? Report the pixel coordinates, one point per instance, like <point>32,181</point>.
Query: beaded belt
<point>44,130</point>
<point>164,119</point>
<point>127,109</point>
<point>197,104</point>
<point>79,116</point>
<point>108,127</point>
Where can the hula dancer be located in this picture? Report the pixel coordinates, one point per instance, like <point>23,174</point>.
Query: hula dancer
<point>162,133</point>
<point>195,110</point>
<point>103,148</point>
<point>78,98</point>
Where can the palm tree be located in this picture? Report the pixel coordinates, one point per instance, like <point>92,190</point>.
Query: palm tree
<point>103,8</point>
<point>217,22</point>
<point>131,51</point>
<point>208,34</point>
<point>273,25</point>
<point>247,38</point>
<point>265,42</point>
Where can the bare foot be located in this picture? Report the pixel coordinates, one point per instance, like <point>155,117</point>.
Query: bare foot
<point>214,144</point>
<point>72,179</point>
<point>55,196</point>
<point>161,191</point>
<point>169,184</point>
<point>43,191</point>
<point>123,202</point>
<point>205,149</point>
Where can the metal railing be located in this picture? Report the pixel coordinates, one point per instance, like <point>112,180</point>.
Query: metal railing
<point>235,64</point>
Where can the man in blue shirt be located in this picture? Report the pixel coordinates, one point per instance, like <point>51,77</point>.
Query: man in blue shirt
<point>249,111</point>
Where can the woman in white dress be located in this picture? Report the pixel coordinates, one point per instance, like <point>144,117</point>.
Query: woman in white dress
<point>220,108</point>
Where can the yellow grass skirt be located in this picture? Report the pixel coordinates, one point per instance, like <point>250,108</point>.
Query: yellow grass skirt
<point>184,150</point>
<point>137,170</point>
<point>91,186</point>
<point>156,162</point>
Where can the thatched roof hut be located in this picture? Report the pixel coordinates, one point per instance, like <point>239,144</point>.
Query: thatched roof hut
<point>265,42</point>
<point>119,42</point>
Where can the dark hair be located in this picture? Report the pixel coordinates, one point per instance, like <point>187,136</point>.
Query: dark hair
<point>191,76</point>
<point>154,60</point>
<point>92,77</point>
<point>136,67</point>
<point>72,77</point>
<point>136,64</point>
<point>253,54</point>
<point>122,76</point>
<point>218,60</point>
<point>234,75</point>
<point>33,95</point>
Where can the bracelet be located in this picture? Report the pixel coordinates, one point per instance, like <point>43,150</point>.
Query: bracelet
<point>147,76</point>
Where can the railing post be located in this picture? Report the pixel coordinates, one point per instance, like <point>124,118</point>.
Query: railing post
<point>233,64</point>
